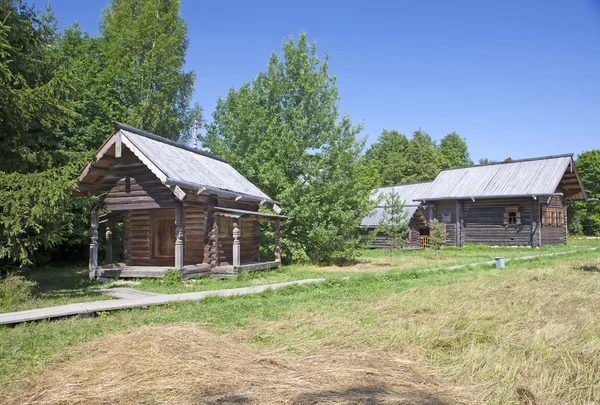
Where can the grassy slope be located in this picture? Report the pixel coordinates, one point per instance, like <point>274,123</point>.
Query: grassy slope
<point>532,325</point>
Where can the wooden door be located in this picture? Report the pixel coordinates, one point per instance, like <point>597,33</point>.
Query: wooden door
<point>163,234</point>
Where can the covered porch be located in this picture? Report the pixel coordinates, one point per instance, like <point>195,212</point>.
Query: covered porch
<point>224,247</point>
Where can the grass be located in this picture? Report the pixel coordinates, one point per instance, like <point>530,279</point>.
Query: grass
<point>57,285</point>
<point>530,329</point>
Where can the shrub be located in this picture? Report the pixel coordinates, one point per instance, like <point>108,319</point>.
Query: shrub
<point>15,290</point>
<point>172,277</point>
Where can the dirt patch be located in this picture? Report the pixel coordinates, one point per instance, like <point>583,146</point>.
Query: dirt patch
<point>382,264</point>
<point>185,364</point>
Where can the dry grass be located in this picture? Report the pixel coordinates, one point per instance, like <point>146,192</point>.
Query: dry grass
<point>529,336</point>
<point>185,364</point>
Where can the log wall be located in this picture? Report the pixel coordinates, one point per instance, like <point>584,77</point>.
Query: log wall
<point>483,222</point>
<point>445,212</point>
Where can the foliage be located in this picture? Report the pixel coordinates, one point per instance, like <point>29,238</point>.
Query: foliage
<point>283,131</point>
<point>454,151</point>
<point>171,277</point>
<point>437,235</point>
<point>58,94</point>
<point>394,221</point>
<point>399,160</point>
<point>37,210</point>
<point>143,44</point>
<point>15,290</point>
<point>584,216</point>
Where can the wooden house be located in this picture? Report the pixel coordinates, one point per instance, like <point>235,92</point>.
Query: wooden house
<point>419,227</point>
<point>181,208</point>
<point>515,202</point>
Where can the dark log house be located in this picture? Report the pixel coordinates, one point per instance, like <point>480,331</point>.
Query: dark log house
<point>515,202</point>
<point>181,208</point>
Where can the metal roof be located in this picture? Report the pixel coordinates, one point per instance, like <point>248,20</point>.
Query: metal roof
<point>528,177</point>
<point>407,193</point>
<point>187,166</point>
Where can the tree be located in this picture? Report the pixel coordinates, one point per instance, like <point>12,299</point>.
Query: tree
<point>437,236</point>
<point>394,221</point>
<point>424,162</point>
<point>283,131</point>
<point>143,44</point>
<point>485,161</point>
<point>454,151</point>
<point>587,214</point>
<point>389,157</point>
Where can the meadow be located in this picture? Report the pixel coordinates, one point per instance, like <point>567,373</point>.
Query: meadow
<point>372,333</point>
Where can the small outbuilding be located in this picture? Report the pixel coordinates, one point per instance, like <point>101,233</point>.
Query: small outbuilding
<point>515,202</point>
<point>181,208</point>
<point>418,235</point>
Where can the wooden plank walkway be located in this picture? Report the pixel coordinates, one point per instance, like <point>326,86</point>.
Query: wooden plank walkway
<point>90,308</point>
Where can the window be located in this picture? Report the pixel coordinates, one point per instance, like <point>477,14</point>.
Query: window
<point>553,216</point>
<point>512,216</point>
<point>446,217</point>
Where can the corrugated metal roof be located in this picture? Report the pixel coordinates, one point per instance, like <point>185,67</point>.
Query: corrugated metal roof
<point>407,192</point>
<point>529,177</point>
<point>185,165</point>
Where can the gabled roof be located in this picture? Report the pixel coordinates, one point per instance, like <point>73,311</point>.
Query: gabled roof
<point>406,192</point>
<point>515,178</point>
<point>175,164</point>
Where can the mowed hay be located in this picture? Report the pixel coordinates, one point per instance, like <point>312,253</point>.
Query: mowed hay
<point>185,364</point>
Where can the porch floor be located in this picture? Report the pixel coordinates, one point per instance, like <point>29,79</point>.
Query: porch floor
<point>122,270</point>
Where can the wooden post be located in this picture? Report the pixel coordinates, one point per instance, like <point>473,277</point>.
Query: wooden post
<point>109,251</point>
<point>236,245</point>
<point>179,237</point>
<point>93,266</point>
<point>277,242</point>
<point>457,225</point>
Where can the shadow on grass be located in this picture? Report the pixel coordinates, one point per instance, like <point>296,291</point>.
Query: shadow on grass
<point>590,267</point>
<point>366,395</point>
<point>369,395</point>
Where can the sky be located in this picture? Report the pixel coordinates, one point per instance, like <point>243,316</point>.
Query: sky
<point>516,78</point>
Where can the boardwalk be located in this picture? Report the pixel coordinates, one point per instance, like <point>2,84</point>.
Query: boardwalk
<point>135,299</point>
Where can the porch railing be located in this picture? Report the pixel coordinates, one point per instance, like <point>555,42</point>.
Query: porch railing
<point>424,241</point>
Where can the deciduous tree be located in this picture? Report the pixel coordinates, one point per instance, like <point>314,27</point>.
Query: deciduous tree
<point>284,132</point>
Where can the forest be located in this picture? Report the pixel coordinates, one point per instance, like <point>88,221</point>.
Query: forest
<point>60,89</point>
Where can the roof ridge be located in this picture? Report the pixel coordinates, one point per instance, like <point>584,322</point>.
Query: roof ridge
<point>161,139</point>
<point>512,161</point>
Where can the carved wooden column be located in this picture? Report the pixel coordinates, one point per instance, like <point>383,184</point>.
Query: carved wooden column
<point>236,245</point>
<point>213,257</point>
<point>277,242</point>
<point>93,266</point>
<point>179,237</point>
<point>108,258</point>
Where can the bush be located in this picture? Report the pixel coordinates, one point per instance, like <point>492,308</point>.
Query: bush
<point>172,277</point>
<point>15,290</point>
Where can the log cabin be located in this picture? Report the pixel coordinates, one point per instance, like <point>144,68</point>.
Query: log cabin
<point>515,202</point>
<point>181,208</point>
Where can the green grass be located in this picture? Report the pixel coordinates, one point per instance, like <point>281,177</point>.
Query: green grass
<point>57,285</point>
<point>532,324</point>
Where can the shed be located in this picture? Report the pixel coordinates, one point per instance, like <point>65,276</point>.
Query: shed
<point>181,208</point>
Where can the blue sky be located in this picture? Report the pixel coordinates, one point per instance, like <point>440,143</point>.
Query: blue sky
<point>515,78</point>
